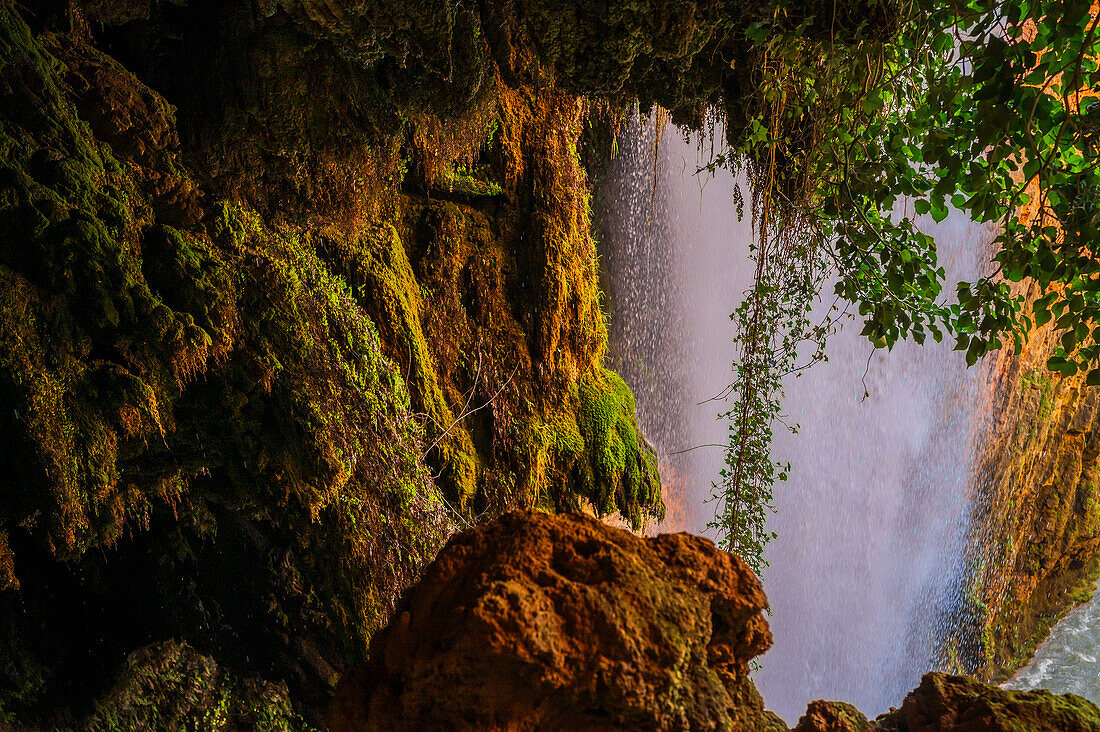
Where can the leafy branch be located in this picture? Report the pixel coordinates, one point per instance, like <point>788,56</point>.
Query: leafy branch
<point>978,105</point>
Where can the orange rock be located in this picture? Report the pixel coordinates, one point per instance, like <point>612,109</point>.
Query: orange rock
<point>561,622</point>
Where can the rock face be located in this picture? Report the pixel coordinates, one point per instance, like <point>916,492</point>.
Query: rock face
<point>561,622</point>
<point>287,284</point>
<point>1036,544</point>
<point>1036,539</point>
<point>944,703</point>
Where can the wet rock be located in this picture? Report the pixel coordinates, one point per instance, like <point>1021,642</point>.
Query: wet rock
<point>833,716</point>
<point>561,622</point>
<point>944,703</point>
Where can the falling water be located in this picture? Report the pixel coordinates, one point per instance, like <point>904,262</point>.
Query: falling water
<point>872,525</point>
<point>1068,661</point>
<point>672,283</point>
<point>868,567</point>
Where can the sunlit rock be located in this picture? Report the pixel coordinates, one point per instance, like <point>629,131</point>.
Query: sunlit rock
<point>561,622</point>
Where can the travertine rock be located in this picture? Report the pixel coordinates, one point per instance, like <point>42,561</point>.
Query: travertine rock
<point>564,623</point>
<point>833,716</point>
<point>561,622</point>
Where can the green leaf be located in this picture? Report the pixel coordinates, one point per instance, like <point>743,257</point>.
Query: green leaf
<point>1069,341</point>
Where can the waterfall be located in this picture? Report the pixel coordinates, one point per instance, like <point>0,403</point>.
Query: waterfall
<point>868,570</point>
<point>868,567</point>
<point>672,285</point>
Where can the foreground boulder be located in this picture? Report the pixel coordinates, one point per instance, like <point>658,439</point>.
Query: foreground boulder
<point>561,622</point>
<point>564,623</point>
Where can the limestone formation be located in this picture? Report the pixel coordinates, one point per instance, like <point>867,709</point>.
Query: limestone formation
<point>562,622</point>
<point>944,703</point>
<point>1037,541</point>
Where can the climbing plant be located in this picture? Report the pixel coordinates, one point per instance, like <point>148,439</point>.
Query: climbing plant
<point>987,107</point>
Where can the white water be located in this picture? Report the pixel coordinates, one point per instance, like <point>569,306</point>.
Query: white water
<point>868,568</point>
<point>672,283</point>
<point>1068,661</point>
<point>865,574</point>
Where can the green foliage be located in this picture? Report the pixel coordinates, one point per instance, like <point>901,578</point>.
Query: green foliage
<point>975,106</point>
<point>985,115</point>
<point>773,330</point>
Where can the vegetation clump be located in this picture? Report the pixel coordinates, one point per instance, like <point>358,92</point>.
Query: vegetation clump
<point>171,686</point>
<point>622,469</point>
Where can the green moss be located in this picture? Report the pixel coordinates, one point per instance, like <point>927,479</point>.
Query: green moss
<point>1041,381</point>
<point>964,698</point>
<point>622,469</point>
<point>551,446</point>
<point>589,451</point>
<point>1060,506</point>
<point>341,444</point>
<point>467,183</point>
<point>169,686</point>
<point>93,352</point>
<point>378,267</point>
<point>1011,639</point>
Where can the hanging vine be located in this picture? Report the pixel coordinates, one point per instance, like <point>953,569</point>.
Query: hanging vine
<point>977,105</point>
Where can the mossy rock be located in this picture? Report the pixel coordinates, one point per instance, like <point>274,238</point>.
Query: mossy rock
<point>179,375</point>
<point>943,701</point>
<point>239,350</point>
<point>170,686</point>
<point>622,469</point>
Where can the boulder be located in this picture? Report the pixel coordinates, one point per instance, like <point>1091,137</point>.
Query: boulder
<point>945,703</point>
<point>833,716</point>
<point>562,622</point>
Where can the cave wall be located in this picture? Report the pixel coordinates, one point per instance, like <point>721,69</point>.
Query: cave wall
<point>283,305</point>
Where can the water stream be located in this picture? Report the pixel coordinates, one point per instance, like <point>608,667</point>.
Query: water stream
<point>872,525</point>
<point>1068,661</point>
